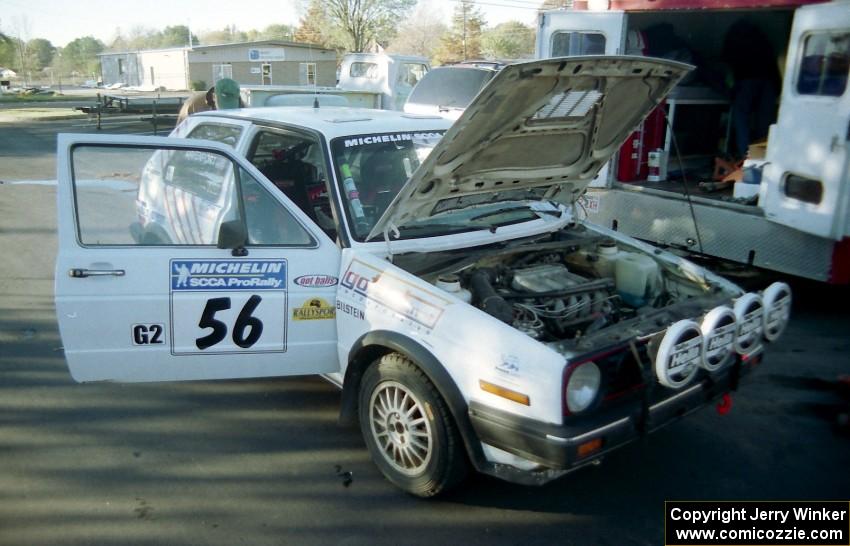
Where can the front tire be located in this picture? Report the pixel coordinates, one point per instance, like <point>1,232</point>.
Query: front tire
<point>408,429</point>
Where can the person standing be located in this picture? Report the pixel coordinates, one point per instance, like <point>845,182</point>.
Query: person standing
<point>197,102</point>
<point>756,85</point>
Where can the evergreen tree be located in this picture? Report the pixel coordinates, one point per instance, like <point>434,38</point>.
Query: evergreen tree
<point>463,40</point>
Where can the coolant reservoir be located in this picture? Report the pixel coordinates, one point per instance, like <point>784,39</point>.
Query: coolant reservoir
<point>451,284</point>
<point>636,276</point>
<point>607,255</point>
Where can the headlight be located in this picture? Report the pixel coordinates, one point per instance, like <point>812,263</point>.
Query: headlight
<point>583,386</point>
<point>777,309</point>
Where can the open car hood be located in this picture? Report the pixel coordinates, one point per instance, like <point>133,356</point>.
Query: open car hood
<point>548,124</point>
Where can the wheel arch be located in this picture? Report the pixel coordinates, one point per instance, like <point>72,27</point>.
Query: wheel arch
<point>373,345</point>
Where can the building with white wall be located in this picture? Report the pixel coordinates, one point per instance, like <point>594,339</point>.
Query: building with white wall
<point>267,62</point>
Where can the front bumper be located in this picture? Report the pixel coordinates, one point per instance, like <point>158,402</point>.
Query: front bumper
<point>557,447</point>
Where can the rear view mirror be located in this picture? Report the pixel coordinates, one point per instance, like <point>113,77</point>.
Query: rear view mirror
<point>233,234</point>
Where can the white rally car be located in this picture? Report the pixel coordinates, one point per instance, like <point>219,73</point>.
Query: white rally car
<point>441,274</point>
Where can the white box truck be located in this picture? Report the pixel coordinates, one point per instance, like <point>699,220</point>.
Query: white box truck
<point>799,224</point>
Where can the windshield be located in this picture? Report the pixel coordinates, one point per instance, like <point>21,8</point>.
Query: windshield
<point>450,87</point>
<point>373,168</point>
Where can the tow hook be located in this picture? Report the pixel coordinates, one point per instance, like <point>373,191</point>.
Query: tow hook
<point>725,404</point>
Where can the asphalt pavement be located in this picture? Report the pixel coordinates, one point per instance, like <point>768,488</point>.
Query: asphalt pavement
<point>28,149</point>
<point>260,462</point>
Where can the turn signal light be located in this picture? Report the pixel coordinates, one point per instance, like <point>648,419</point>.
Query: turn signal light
<point>513,396</point>
<point>588,448</point>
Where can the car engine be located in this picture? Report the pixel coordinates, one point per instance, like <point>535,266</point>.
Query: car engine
<point>570,287</point>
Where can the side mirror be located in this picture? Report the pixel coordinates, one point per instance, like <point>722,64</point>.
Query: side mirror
<point>233,234</point>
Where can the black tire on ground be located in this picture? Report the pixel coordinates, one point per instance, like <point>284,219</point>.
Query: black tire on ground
<point>408,428</point>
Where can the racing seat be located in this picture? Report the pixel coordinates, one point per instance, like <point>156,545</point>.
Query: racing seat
<point>382,175</point>
<point>293,177</point>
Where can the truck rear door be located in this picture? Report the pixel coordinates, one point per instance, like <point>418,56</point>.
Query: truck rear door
<point>563,33</point>
<point>806,178</point>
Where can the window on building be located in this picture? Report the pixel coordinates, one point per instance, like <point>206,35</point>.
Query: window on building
<point>307,73</point>
<point>825,64</point>
<point>220,71</point>
<point>122,67</point>
<point>577,43</point>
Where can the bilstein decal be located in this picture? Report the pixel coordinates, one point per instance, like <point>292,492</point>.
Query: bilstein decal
<point>351,310</point>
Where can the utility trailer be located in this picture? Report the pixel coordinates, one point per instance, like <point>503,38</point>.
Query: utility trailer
<point>799,223</point>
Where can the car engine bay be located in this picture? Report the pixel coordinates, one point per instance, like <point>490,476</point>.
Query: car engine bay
<point>573,290</point>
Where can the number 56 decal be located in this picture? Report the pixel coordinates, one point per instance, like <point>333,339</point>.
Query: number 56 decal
<point>244,321</point>
<point>228,306</point>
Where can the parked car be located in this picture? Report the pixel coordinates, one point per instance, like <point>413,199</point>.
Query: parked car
<point>446,91</point>
<point>431,270</point>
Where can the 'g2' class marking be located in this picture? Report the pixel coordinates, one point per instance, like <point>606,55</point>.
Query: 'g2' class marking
<point>147,334</point>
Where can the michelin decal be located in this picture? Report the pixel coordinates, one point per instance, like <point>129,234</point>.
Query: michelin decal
<point>228,306</point>
<point>228,275</point>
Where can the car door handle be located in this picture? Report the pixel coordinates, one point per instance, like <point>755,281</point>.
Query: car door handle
<point>82,273</point>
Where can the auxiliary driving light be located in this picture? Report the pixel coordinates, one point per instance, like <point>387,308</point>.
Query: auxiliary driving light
<point>718,328</point>
<point>777,309</point>
<point>749,310</point>
<point>679,354</point>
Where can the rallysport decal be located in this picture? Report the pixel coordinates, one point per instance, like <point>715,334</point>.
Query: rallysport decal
<point>228,306</point>
<point>384,291</point>
<point>314,309</point>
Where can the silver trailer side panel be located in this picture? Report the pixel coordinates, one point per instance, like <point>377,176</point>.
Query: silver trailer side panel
<point>728,231</point>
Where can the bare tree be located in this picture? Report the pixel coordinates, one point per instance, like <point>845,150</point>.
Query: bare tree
<point>367,22</point>
<point>21,26</point>
<point>420,34</point>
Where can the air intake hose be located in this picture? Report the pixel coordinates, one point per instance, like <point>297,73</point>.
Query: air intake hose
<point>486,297</point>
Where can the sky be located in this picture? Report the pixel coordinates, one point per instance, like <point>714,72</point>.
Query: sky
<point>60,21</point>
